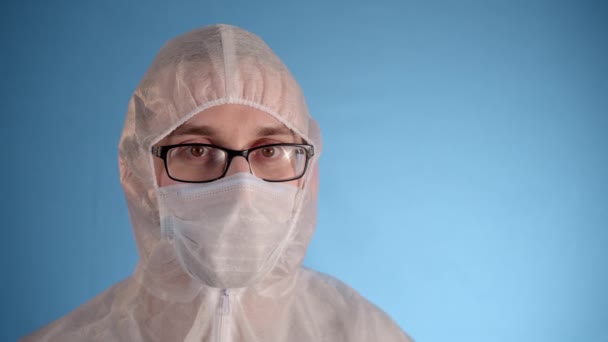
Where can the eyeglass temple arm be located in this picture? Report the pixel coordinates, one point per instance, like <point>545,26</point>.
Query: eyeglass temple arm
<point>156,151</point>
<point>311,151</point>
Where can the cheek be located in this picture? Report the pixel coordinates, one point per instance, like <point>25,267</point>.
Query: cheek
<point>162,179</point>
<point>314,181</point>
<point>297,183</point>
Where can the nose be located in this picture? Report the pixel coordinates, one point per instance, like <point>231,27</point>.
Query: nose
<point>238,164</point>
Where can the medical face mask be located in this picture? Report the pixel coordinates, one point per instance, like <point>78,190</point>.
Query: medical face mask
<point>230,232</point>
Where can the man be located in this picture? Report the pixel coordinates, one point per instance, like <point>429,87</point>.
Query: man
<point>218,162</point>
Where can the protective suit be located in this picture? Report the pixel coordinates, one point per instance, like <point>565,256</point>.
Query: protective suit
<point>161,301</point>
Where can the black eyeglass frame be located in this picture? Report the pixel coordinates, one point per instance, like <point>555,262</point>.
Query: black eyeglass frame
<point>162,151</point>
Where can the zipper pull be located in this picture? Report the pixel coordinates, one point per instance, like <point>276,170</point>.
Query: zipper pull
<point>223,307</point>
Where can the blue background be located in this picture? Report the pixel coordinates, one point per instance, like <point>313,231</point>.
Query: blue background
<point>464,182</point>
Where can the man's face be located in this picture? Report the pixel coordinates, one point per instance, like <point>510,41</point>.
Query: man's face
<point>236,127</point>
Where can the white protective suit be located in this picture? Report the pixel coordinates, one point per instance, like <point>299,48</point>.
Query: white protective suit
<point>207,67</point>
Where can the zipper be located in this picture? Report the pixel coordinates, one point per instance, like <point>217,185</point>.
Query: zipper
<point>222,311</point>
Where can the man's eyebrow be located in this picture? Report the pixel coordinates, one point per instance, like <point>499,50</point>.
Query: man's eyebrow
<point>187,129</point>
<point>275,130</point>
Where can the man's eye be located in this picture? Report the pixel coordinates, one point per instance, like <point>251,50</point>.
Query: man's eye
<point>269,152</point>
<point>198,151</point>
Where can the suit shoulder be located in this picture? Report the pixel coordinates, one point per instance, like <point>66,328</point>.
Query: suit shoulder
<point>82,321</point>
<point>343,305</point>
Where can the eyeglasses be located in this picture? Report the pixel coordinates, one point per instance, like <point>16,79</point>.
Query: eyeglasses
<point>202,163</point>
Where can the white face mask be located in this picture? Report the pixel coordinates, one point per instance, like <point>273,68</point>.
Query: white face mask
<point>230,232</point>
